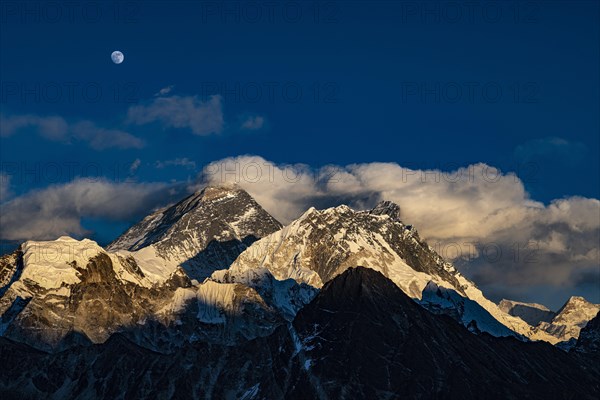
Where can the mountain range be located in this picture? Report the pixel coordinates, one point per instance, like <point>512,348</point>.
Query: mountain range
<point>213,298</point>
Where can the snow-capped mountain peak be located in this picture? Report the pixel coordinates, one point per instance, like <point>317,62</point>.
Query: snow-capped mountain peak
<point>229,205</point>
<point>202,233</point>
<point>569,320</point>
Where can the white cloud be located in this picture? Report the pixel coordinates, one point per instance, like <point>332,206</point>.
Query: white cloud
<point>58,209</point>
<point>472,212</point>
<point>253,123</point>
<point>202,117</point>
<point>56,128</point>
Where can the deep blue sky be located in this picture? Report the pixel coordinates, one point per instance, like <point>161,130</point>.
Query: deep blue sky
<point>364,56</point>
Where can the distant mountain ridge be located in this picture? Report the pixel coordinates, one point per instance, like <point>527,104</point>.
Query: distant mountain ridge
<point>571,318</point>
<point>217,267</point>
<point>565,324</point>
<point>531,313</point>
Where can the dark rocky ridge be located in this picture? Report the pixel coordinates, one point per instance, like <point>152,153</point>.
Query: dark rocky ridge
<point>362,330</point>
<point>589,339</point>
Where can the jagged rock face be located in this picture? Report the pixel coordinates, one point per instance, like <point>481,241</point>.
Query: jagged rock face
<point>208,313</point>
<point>589,339</point>
<point>11,266</point>
<point>569,320</point>
<point>82,301</point>
<point>531,313</point>
<point>360,338</point>
<point>202,233</point>
<point>388,208</point>
<point>35,305</point>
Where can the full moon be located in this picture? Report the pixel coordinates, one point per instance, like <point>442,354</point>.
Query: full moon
<point>117,57</point>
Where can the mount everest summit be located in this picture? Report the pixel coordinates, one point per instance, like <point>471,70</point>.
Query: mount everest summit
<point>216,276</point>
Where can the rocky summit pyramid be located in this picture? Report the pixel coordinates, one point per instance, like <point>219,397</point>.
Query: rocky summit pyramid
<point>203,232</point>
<point>570,319</point>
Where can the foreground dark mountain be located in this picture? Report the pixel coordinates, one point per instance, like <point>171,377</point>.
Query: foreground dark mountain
<point>363,331</point>
<point>360,338</point>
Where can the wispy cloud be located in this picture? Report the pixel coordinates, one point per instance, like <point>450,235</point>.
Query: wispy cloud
<point>5,190</point>
<point>177,162</point>
<point>52,127</point>
<point>56,128</point>
<point>550,148</point>
<point>101,138</point>
<point>201,117</point>
<point>164,91</point>
<point>253,123</point>
<point>135,165</point>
